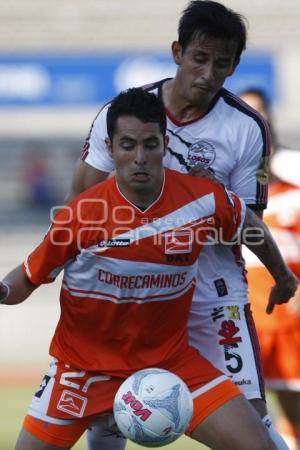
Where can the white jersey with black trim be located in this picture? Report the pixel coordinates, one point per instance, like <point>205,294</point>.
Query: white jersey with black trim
<point>233,141</point>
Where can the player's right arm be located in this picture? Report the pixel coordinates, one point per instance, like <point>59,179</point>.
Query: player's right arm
<point>95,163</point>
<point>15,287</point>
<point>45,262</point>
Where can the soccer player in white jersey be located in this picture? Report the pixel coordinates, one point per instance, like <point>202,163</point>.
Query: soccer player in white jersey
<point>211,133</point>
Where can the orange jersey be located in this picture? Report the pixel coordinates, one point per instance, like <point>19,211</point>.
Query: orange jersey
<point>283,219</point>
<point>129,275</point>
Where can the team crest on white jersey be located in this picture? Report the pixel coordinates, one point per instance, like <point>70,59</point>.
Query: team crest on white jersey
<point>201,153</point>
<point>178,242</point>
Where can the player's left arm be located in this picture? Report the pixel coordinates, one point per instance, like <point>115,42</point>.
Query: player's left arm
<point>257,237</point>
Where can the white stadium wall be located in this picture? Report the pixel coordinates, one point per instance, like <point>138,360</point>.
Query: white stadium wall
<point>138,25</point>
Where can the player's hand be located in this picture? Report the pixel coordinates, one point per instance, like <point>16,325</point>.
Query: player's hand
<point>3,291</point>
<point>199,171</point>
<point>282,292</point>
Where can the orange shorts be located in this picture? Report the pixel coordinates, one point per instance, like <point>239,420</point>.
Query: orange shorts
<point>68,400</point>
<point>280,353</point>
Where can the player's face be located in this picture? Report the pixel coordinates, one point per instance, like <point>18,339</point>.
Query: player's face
<point>138,149</point>
<point>203,68</point>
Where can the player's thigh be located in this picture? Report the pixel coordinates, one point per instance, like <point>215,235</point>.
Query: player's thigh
<point>27,441</point>
<point>209,387</point>
<point>226,336</point>
<point>55,433</point>
<point>236,426</point>
<point>67,402</point>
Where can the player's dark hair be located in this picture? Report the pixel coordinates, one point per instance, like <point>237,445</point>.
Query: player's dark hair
<point>137,102</point>
<point>260,93</point>
<point>212,19</point>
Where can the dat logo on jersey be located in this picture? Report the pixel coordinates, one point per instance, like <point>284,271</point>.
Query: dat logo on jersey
<point>201,153</point>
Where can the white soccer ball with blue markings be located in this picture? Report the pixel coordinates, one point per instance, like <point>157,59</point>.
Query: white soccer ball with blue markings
<point>153,407</point>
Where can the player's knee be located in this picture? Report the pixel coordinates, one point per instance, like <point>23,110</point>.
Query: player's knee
<point>27,441</point>
<point>259,442</point>
<point>256,439</point>
<point>234,425</point>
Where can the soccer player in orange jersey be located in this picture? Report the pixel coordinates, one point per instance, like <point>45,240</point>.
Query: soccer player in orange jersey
<point>129,248</point>
<point>279,334</point>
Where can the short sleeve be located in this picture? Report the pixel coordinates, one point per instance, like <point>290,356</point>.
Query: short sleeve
<point>249,179</point>
<point>58,247</point>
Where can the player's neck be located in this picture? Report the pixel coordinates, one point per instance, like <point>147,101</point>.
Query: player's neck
<point>178,106</point>
<point>142,198</point>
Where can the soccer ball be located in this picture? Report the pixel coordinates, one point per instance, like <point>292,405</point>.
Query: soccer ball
<point>153,407</point>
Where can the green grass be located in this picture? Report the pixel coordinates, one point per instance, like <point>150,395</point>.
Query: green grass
<point>14,402</point>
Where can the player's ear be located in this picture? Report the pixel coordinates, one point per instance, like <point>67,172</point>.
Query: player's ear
<point>176,52</point>
<point>109,146</point>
